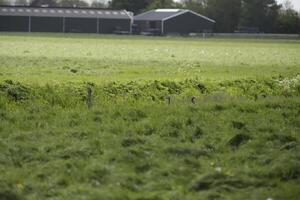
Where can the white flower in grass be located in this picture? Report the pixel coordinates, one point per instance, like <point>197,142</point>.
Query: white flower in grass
<point>218,169</point>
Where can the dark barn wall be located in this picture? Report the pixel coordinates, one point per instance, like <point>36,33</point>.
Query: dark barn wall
<point>80,25</point>
<point>145,26</point>
<point>14,23</point>
<point>142,25</point>
<point>187,23</point>
<point>111,25</point>
<point>46,24</point>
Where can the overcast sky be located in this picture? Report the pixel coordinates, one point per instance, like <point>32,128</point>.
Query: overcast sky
<point>296,3</point>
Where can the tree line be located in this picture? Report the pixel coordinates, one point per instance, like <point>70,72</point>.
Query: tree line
<point>54,3</point>
<point>266,16</point>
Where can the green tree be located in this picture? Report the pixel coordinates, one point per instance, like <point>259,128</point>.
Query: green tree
<point>154,4</point>
<point>226,13</point>
<point>135,6</point>
<point>3,2</point>
<point>21,2</point>
<point>262,14</point>
<point>138,6</point>
<point>73,3</point>
<point>98,4</point>
<point>198,6</point>
<point>289,22</point>
<point>50,3</point>
<point>287,5</point>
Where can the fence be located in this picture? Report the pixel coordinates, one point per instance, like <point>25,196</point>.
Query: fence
<point>247,35</point>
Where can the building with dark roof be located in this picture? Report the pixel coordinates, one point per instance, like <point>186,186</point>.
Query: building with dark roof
<point>173,21</point>
<point>64,20</point>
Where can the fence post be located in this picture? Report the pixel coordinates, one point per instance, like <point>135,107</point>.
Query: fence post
<point>168,99</point>
<point>194,100</point>
<point>89,99</point>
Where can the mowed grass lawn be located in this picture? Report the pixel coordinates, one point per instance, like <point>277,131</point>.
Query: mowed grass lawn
<point>42,58</point>
<point>168,118</point>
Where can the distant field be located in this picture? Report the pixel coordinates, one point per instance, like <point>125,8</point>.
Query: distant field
<point>41,58</point>
<point>168,118</point>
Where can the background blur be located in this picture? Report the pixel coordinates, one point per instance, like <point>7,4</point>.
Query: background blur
<point>263,16</point>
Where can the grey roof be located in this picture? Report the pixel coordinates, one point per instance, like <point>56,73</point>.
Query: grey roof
<point>64,12</point>
<point>165,14</point>
<point>157,14</point>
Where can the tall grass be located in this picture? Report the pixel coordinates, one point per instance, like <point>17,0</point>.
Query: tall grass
<point>165,118</point>
<point>223,146</point>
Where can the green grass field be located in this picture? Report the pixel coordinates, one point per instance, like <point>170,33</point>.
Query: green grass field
<point>50,58</point>
<point>170,118</point>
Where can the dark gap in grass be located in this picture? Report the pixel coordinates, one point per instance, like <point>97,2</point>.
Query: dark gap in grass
<point>238,140</point>
<point>127,142</point>
<point>223,182</point>
<point>238,125</point>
